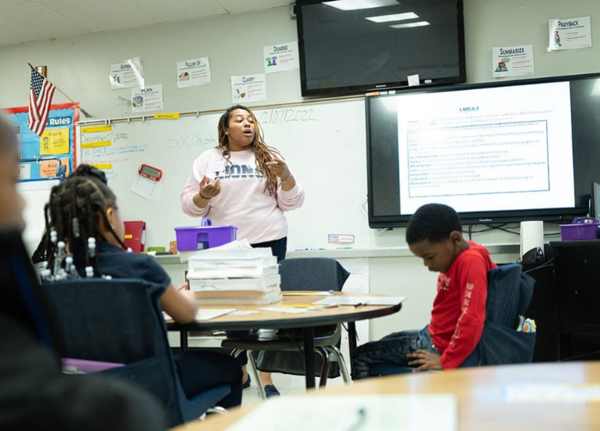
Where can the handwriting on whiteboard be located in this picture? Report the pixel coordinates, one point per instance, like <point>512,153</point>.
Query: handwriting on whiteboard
<point>287,115</point>
<point>179,142</point>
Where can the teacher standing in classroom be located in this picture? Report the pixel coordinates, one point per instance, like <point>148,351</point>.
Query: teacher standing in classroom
<point>246,184</point>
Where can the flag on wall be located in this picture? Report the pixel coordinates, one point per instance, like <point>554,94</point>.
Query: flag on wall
<point>40,96</point>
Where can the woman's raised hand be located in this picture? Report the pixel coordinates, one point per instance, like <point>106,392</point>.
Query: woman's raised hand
<point>209,190</point>
<point>279,167</point>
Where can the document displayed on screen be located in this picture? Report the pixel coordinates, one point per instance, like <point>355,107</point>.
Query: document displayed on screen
<point>490,149</point>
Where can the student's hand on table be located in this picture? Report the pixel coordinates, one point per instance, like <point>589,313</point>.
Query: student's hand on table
<point>209,190</point>
<point>424,360</point>
<point>279,167</point>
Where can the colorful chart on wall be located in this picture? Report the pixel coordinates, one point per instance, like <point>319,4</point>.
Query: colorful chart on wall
<point>57,143</point>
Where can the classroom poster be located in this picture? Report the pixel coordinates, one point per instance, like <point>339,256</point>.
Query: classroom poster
<point>282,57</point>
<point>512,61</point>
<point>42,153</point>
<point>54,141</point>
<point>193,72</point>
<point>248,88</point>
<point>149,98</point>
<point>128,74</point>
<point>48,168</point>
<point>572,33</point>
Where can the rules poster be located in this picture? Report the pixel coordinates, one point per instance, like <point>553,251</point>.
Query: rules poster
<point>57,143</point>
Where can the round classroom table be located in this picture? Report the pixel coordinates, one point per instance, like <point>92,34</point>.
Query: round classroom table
<point>486,396</point>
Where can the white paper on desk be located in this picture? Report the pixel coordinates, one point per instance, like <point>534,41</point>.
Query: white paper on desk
<point>427,412</point>
<point>361,300</point>
<point>149,189</point>
<point>243,312</point>
<point>211,313</point>
<point>285,310</point>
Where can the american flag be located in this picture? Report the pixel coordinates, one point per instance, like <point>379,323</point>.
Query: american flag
<point>40,97</point>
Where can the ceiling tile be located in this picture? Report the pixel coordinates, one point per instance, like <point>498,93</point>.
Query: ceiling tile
<point>32,21</point>
<point>178,10</point>
<point>7,38</point>
<point>99,16</point>
<point>237,6</point>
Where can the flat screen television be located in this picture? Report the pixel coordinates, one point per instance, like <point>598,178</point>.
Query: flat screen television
<point>496,152</point>
<point>355,46</point>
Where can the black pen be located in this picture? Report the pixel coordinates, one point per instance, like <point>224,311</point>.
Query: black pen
<point>359,304</point>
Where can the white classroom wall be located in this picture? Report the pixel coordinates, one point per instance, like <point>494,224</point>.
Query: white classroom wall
<point>79,66</point>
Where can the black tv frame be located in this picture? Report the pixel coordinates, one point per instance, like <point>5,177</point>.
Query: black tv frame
<point>557,215</point>
<point>393,85</point>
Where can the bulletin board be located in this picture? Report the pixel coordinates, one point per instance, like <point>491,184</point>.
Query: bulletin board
<point>58,141</point>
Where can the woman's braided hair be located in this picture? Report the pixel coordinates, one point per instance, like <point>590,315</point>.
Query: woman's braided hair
<point>76,210</point>
<point>262,151</point>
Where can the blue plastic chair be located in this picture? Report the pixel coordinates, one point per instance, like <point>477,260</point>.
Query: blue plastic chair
<point>120,321</point>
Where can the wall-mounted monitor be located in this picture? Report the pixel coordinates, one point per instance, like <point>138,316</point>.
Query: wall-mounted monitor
<point>355,46</point>
<point>496,152</point>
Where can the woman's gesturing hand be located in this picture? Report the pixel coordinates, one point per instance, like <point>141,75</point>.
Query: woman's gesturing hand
<point>209,190</point>
<point>279,167</point>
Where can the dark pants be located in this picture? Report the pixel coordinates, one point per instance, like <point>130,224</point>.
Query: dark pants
<point>278,248</point>
<point>391,349</point>
<point>202,370</point>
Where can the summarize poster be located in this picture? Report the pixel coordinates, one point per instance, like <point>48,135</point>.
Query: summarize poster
<point>572,33</point>
<point>193,72</point>
<point>279,58</point>
<point>512,61</point>
<point>127,74</point>
<point>147,99</point>
<point>248,88</point>
<point>58,141</point>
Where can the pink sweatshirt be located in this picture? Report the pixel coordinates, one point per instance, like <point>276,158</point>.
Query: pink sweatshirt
<point>242,203</point>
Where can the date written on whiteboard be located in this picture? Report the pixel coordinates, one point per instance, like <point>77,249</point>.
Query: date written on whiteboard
<point>286,115</point>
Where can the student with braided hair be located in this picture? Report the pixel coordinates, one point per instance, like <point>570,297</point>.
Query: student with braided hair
<point>246,184</point>
<point>82,212</point>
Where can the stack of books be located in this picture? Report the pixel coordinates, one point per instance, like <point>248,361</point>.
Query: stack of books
<point>234,274</point>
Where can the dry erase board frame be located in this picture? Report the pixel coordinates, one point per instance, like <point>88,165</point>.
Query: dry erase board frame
<point>324,144</point>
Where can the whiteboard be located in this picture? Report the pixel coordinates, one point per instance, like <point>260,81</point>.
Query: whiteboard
<point>324,145</point>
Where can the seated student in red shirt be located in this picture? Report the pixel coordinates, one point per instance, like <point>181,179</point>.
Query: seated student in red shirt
<point>434,234</point>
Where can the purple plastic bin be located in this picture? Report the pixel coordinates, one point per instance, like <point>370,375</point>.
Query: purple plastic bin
<point>195,238</point>
<point>581,229</point>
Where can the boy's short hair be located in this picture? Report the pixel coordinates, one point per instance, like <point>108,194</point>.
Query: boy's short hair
<point>432,222</point>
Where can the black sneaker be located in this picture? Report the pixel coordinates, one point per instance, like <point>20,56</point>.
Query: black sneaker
<point>247,382</point>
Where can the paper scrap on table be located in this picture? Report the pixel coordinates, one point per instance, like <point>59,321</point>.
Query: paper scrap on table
<point>348,412</point>
<point>552,393</point>
<point>242,312</point>
<point>361,300</point>
<point>413,80</point>
<point>148,189</point>
<point>212,313</point>
<point>285,310</point>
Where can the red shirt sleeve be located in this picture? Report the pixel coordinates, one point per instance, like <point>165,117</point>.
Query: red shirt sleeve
<point>471,276</point>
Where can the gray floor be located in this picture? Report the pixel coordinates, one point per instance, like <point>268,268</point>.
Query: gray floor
<point>286,385</point>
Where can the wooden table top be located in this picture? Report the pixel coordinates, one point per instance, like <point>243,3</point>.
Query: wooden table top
<point>481,395</point>
<point>277,319</point>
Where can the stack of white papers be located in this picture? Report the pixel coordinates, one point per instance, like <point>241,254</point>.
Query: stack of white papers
<point>234,274</point>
